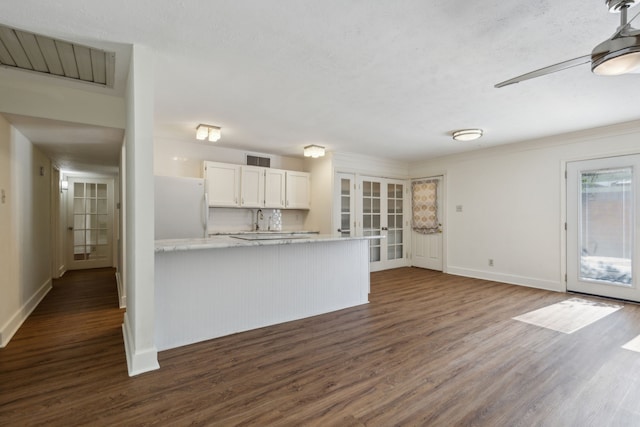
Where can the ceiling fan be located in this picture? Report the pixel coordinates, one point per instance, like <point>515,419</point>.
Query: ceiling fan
<point>620,54</point>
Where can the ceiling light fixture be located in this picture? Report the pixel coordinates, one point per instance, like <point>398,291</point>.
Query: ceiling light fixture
<point>621,53</point>
<point>313,151</point>
<point>213,133</point>
<point>616,57</point>
<point>467,134</point>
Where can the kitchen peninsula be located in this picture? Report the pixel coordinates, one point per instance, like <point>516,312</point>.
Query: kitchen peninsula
<point>211,287</point>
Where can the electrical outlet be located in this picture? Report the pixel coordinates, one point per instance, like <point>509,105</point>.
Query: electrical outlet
<point>490,262</point>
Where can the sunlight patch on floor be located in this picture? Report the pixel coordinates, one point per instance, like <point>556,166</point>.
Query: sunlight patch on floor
<point>570,315</point>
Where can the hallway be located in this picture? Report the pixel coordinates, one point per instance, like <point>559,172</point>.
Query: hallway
<point>74,333</point>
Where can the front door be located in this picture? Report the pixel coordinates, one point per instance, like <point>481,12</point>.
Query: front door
<point>603,222</point>
<point>89,223</point>
<point>426,235</point>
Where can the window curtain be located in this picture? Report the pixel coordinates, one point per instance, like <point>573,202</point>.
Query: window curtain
<point>425,206</point>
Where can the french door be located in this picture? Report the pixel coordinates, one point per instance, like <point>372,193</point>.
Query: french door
<point>345,202</point>
<point>89,223</point>
<point>382,212</point>
<point>603,222</point>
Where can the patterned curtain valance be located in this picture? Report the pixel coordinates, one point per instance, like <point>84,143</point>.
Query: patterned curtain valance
<point>424,197</point>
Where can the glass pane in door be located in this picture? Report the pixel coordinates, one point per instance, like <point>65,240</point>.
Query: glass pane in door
<point>394,221</point>
<point>90,227</point>
<point>345,207</point>
<point>371,215</point>
<point>606,226</point>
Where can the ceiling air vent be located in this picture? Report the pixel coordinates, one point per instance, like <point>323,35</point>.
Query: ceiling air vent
<point>41,54</point>
<point>258,161</point>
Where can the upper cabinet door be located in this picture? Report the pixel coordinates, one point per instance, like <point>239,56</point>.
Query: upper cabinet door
<point>274,189</point>
<point>298,190</point>
<point>252,187</point>
<point>223,184</point>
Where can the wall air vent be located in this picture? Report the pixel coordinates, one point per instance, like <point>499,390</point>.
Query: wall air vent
<point>41,54</point>
<point>265,162</point>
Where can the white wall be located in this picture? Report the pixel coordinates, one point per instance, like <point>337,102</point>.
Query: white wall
<point>513,204</point>
<point>320,214</point>
<point>184,158</point>
<point>22,95</point>
<point>138,327</point>
<point>25,229</point>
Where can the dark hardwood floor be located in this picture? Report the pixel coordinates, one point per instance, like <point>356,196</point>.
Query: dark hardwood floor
<point>429,349</point>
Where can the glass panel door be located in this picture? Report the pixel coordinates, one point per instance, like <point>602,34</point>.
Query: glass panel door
<point>90,222</point>
<point>382,213</point>
<point>344,215</point>
<point>602,225</point>
<point>371,216</point>
<point>395,219</point>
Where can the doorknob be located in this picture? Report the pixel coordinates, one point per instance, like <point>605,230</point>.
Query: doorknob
<point>70,228</point>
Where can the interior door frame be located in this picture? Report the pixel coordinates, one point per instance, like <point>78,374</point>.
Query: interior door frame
<point>563,217</point>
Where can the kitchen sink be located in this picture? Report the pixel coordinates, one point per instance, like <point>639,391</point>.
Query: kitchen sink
<point>269,236</point>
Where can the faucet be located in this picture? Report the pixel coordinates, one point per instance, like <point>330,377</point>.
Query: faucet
<point>259,216</point>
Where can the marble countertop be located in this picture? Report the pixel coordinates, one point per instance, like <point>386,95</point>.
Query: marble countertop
<point>228,241</point>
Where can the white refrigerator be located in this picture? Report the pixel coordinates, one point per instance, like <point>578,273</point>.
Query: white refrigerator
<point>181,208</point>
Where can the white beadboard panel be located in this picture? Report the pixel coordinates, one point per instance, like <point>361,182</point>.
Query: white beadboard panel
<point>206,294</point>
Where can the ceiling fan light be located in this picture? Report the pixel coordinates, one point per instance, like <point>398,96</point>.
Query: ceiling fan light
<point>617,63</point>
<point>467,134</point>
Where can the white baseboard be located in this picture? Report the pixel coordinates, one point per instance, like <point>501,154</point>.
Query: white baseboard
<point>122,296</point>
<point>511,279</point>
<point>138,362</point>
<point>11,327</point>
<point>61,270</point>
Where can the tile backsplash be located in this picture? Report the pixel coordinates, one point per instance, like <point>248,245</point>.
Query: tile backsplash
<point>224,220</point>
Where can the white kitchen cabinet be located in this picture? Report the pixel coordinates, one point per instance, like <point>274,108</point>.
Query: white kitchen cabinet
<point>298,190</point>
<point>231,185</point>
<point>274,189</point>
<point>252,187</point>
<point>223,184</point>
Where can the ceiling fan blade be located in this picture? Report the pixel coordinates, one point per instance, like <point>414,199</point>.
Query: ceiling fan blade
<point>547,70</point>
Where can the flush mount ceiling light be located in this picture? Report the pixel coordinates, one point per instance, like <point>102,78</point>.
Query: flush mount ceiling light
<point>467,134</point>
<point>313,151</point>
<point>213,133</point>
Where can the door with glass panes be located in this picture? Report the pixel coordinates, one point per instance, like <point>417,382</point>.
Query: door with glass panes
<point>90,223</point>
<point>344,220</point>
<point>382,212</point>
<point>603,225</point>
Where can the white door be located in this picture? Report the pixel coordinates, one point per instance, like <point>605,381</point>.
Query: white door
<point>426,234</point>
<point>603,222</point>
<point>89,223</point>
<point>382,213</point>
<point>344,214</point>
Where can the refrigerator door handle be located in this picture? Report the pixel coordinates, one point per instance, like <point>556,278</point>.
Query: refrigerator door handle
<point>206,214</point>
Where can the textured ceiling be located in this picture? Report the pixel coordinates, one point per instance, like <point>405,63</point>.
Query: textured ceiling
<point>383,78</point>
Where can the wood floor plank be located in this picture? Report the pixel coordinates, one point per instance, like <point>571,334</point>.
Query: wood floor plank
<point>429,349</point>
